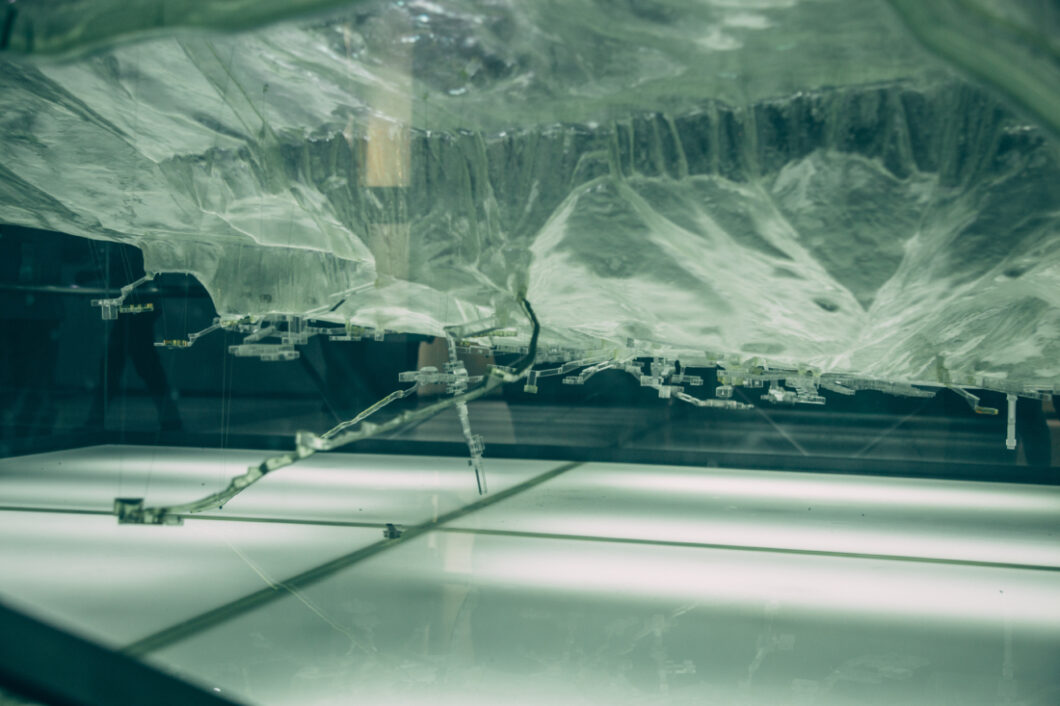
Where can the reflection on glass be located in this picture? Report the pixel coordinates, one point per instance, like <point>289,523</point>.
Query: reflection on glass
<point>746,311</point>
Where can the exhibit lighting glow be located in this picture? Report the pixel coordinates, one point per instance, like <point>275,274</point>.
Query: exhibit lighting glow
<point>993,523</point>
<point>862,490</point>
<point>811,534</point>
<point>874,590</point>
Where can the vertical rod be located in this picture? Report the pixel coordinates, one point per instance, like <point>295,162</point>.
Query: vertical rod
<point>1010,439</point>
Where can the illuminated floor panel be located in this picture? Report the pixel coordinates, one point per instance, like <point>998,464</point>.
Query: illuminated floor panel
<point>454,618</point>
<point>602,584</point>
<point>118,583</point>
<point>326,487</point>
<point>913,518</point>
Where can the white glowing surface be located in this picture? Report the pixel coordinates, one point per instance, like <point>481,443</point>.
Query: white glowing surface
<point>343,487</point>
<point>952,520</point>
<point>533,621</point>
<point>823,586</point>
<point>858,490</point>
<point>117,583</point>
<point>461,617</point>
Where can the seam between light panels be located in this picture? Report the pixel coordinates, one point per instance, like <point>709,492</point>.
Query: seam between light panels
<point>223,613</point>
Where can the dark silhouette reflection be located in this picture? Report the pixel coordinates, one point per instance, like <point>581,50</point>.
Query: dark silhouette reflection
<point>359,373</point>
<point>30,324</point>
<point>1032,430</point>
<point>131,338</point>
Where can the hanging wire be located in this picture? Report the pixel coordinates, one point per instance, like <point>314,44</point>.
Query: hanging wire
<point>307,443</point>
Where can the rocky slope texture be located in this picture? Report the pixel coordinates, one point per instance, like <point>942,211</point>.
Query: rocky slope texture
<point>701,176</point>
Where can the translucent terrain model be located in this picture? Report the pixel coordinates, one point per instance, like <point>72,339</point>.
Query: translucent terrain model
<point>715,181</point>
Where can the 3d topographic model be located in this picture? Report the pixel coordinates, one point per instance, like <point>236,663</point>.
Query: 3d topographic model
<point>806,194</point>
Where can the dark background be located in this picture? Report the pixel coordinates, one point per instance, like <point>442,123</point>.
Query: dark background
<point>58,356</point>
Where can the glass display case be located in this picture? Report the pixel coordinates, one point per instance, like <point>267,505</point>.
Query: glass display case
<point>632,352</point>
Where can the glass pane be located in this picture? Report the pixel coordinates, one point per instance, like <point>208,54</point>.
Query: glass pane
<point>645,351</point>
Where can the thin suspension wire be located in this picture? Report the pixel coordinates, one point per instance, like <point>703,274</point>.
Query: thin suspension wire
<point>307,443</point>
